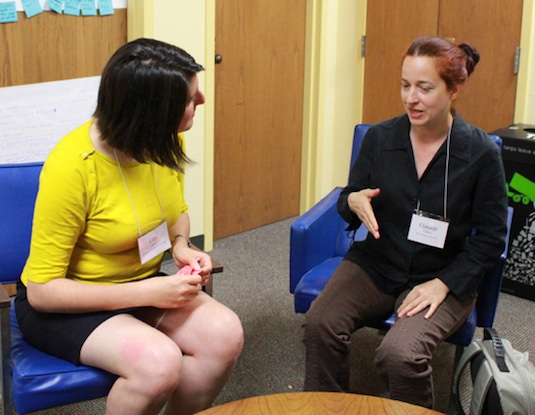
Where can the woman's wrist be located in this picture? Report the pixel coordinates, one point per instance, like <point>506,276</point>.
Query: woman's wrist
<point>179,237</point>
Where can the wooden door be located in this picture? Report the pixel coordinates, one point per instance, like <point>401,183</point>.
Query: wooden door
<point>258,112</point>
<point>493,27</point>
<point>488,100</point>
<point>391,26</point>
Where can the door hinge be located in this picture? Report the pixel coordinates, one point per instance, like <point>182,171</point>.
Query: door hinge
<point>363,46</point>
<point>517,61</point>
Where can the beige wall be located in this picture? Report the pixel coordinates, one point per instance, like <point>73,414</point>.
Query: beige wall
<point>525,97</point>
<point>333,89</point>
<point>185,23</point>
<point>334,76</point>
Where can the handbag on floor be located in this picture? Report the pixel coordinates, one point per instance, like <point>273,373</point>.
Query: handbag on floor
<point>503,378</point>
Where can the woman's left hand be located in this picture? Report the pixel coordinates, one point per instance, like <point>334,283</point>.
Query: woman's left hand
<point>429,294</point>
<point>198,260</point>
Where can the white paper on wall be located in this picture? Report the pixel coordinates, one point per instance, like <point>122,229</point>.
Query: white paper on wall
<point>34,117</point>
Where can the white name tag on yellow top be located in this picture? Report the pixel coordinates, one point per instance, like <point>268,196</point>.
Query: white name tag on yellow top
<point>153,243</point>
<point>428,230</point>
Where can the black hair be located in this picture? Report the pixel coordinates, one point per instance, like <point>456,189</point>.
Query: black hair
<point>143,93</point>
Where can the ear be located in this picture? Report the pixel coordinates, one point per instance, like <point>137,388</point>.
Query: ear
<point>456,92</point>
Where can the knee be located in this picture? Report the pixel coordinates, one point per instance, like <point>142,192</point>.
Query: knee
<point>321,325</point>
<point>227,337</point>
<point>158,369</point>
<point>391,357</point>
<point>388,355</point>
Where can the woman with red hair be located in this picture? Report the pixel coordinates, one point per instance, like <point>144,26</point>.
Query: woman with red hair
<point>430,189</point>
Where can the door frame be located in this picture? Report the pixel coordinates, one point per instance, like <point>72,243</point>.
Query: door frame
<point>333,91</point>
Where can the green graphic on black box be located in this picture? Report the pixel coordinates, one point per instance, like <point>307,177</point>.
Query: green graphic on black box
<point>520,262</point>
<point>524,187</point>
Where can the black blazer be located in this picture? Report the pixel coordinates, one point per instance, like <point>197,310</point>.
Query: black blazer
<point>476,208</point>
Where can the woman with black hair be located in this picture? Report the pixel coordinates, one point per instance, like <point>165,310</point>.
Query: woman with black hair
<point>110,203</point>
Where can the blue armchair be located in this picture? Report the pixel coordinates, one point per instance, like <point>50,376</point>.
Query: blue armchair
<point>318,243</point>
<point>32,380</point>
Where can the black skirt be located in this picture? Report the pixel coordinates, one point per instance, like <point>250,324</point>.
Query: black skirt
<point>58,334</point>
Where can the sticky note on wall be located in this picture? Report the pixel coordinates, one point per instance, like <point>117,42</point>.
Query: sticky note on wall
<point>56,5</point>
<point>31,7</point>
<point>8,12</point>
<point>72,7</point>
<point>89,8</point>
<point>105,7</point>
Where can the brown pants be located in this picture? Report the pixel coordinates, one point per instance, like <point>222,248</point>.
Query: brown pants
<point>350,301</point>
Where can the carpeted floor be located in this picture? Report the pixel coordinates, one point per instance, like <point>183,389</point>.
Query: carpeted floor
<point>255,284</point>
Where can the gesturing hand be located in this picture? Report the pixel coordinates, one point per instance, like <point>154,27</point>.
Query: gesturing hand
<point>429,294</point>
<point>360,204</point>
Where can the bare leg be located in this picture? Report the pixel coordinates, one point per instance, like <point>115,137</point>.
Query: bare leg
<point>212,339</point>
<point>186,361</point>
<point>147,362</point>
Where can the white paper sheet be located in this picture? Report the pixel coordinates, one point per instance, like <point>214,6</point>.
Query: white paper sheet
<point>33,118</point>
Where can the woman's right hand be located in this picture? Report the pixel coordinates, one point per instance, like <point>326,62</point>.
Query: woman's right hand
<point>174,291</point>
<point>360,204</point>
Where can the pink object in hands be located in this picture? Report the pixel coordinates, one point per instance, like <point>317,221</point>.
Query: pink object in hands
<point>188,270</point>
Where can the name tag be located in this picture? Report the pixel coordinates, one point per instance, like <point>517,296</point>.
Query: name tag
<point>428,230</point>
<point>153,243</point>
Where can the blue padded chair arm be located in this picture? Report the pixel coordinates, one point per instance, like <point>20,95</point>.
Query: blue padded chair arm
<point>19,189</point>
<point>313,237</point>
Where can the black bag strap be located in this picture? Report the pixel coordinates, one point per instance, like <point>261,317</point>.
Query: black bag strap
<point>490,333</point>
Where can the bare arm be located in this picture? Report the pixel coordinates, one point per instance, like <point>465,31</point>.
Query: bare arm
<point>63,295</point>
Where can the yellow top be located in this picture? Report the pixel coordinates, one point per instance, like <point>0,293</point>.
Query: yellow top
<point>84,224</point>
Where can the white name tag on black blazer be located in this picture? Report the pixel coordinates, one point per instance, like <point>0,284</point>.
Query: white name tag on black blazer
<point>428,229</point>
